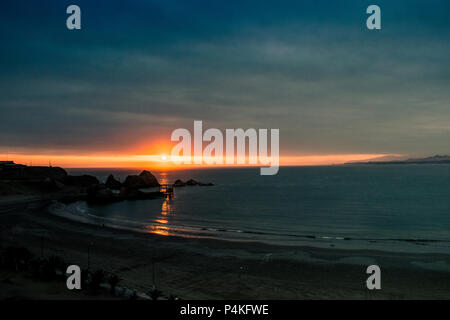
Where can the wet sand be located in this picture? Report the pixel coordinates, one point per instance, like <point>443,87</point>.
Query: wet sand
<point>213,269</point>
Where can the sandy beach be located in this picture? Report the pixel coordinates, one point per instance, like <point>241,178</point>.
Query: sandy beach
<point>210,269</point>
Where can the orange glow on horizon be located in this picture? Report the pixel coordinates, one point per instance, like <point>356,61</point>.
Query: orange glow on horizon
<point>162,161</point>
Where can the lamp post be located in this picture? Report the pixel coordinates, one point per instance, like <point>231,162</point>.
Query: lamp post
<point>89,254</point>
<point>42,247</point>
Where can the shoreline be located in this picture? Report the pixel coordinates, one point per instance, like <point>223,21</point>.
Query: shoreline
<point>335,242</point>
<point>220,269</point>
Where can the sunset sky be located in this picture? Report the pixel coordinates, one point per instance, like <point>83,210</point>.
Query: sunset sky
<point>111,93</point>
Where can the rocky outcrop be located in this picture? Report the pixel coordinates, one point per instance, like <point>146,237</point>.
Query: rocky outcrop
<point>179,183</point>
<point>144,180</point>
<point>149,179</point>
<point>112,183</point>
<point>191,182</point>
<point>209,184</point>
<point>21,179</point>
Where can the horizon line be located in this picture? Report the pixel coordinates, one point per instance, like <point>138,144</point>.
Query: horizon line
<point>161,161</point>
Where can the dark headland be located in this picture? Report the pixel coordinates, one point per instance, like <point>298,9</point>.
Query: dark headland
<point>437,159</point>
<point>57,184</point>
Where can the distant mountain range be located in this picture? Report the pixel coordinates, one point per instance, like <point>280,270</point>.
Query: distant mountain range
<point>437,159</point>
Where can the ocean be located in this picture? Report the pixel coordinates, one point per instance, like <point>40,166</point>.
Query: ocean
<point>368,207</point>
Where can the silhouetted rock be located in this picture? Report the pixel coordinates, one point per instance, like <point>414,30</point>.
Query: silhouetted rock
<point>191,182</point>
<point>112,183</point>
<point>149,179</point>
<point>144,180</point>
<point>179,183</point>
<point>209,184</point>
<point>133,181</point>
<point>21,179</point>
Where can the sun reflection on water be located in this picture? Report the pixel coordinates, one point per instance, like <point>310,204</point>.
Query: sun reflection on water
<point>163,178</point>
<point>163,231</point>
<point>161,226</point>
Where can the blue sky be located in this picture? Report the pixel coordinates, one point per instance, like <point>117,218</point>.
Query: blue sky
<point>139,69</point>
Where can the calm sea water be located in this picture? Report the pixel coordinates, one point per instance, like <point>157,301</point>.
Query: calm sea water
<point>387,207</point>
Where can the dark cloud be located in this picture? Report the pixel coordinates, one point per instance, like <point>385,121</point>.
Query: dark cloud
<point>139,69</point>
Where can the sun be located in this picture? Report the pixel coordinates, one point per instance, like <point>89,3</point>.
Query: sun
<point>163,157</point>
